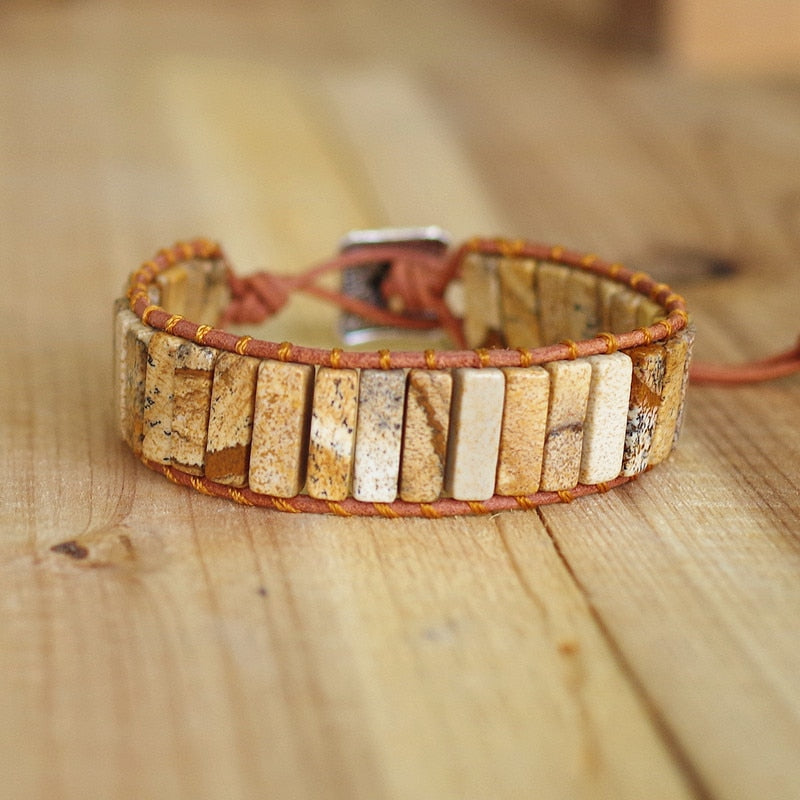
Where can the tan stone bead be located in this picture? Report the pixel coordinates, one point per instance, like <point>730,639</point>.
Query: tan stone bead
<point>606,418</point>
<point>135,345</point>
<point>583,308</point>
<point>476,417</point>
<point>123,319</point>
<point>194,376</point>
<point>230,424</point>
<point>280,428</point>
<point>569,395</point>
<point>647,384</point>
<point>159,397</point>
<point>481,300</point>
<point>675,352</point>
<point>624,311</point>
<point>519,462</point>
<point>376,463</point>
<point>425,434</point>
<point>195,297</point>
<point>606,289</point>
<point>687,335</point>
<point>217,292</point>
<point>551,282</point>
<point>172,283</point>
<point>519,302</point>
<point>332,436</point>
<point>648,313</point>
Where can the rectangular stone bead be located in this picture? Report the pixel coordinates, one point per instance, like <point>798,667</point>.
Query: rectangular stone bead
<point>123,319</point>
<point>191,389</point>
<point>217,292</point>
<point>551,284</point>
<point>569,395</point>
<point>159,399</point>
<point>172,283</point>
<point>648,313</point>
<point>624,311</point>
<point>281,425</point>
<point>476,416</point>
<point>519,461</point>
<point>519,302</point>
<point>606,418</point>
<point>332,436</point>
<point>379,435</point>
<point>230,423</point>
<point>675,352</point>
<point>425,434</point>
<point>687,335</point>
<point>136,344</point>
<point>481,288</point>
<point>606,289</point>
<point>647,383</point>
<point>583,309</point>
<point>195,297</point>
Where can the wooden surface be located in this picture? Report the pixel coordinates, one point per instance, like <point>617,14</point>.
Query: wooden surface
<point>155,643</point>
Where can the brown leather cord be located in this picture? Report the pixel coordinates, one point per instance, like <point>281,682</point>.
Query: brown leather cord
<point>767,369</point>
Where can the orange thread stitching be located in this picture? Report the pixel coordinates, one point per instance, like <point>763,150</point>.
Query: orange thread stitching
<point>556,253</point>
<point>336,357</point>
<point>636,279</point>
<point>430,359</point>
<point>612,343</point>
<point>525,357</point>
<point>573,348</point>
<point>614,269</point>
<point>477,508</point>
<point>648,337</point>
<point>385,510</point>
<point>602,487</point>
<point>337,509</point>
<point>385,359</point>
<point>285,351</point>
<point>148,311</point>
<point>566,496</point>
<point>170,324</point>
<point>282,505</point>
<point>525,502</point>
<point>588,259</point>
<point>428,511</point>
<point>201,333</point>
<point>483,356</point>
<point>241,344</point>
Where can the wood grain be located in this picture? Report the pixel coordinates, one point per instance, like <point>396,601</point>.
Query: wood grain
<point>158,643</point>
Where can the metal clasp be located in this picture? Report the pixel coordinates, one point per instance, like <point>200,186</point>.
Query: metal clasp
<point>364,281</point>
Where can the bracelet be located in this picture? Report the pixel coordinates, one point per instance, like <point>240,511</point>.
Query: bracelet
<point>568,377</point>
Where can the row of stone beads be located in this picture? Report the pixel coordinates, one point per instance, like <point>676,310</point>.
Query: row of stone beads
<point>627,300</point>
<point>519,302</point>
<point>468,432</point>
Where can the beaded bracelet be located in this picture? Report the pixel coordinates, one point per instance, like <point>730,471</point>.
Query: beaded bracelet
<point>568,378</point>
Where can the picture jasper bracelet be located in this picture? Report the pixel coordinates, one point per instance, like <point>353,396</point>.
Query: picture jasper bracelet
<point>567,377</point>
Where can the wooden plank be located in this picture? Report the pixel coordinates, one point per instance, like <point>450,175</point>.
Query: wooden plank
<point>642,643</point>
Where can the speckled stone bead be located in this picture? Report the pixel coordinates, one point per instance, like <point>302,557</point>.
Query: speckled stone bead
<point>376,463</point>
<point>551,282</point>
<point>332,437</point>
<point>124,318</point>
<point>159,398</point>
<point>519,461</point>
<point>624,311</point>
<point>230,424</point>
<point>425,435</point>
<point>194,375</point>
<point>606,418</point>
<point>281,423</point>
<point>172,283</point>
<point>647,383</point>
<point>687,335</point>
<point>476,418</point>
<point>675,353</point>
<point>482,326</point>
<point>583,310</point>
<point>136,345</point>
<point>569,395</point>
<point>519,302</point>
<point>606,289</point>
<point>648,313</point>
